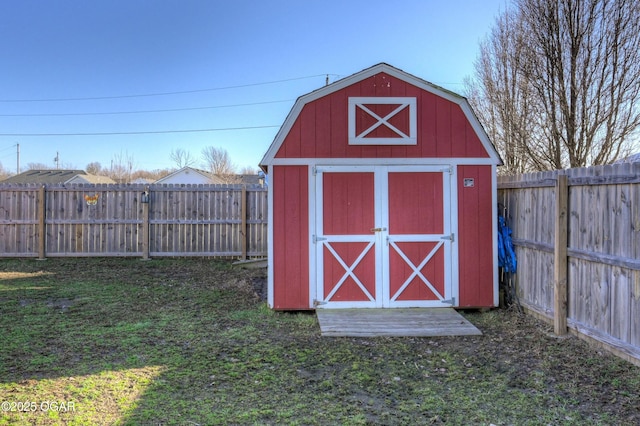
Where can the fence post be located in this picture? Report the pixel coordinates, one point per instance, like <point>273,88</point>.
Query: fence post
<point>42,231</point>
<point>560,257</point>
<point>243,230</point>
<point>146,200</point>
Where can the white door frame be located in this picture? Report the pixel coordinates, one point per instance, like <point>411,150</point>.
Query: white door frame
<point>381,240</point>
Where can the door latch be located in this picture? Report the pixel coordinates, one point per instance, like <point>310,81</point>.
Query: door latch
<point>378,229</point>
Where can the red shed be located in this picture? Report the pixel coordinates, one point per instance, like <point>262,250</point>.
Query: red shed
<point>382,193</point>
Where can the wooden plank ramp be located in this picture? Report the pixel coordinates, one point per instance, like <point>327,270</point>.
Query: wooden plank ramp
<point>419,322</point>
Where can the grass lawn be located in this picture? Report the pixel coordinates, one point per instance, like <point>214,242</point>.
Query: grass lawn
<point>188,342</point>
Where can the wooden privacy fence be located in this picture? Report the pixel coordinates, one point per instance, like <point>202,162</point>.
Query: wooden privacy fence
<point>577,239</point>
<point>133,220</point>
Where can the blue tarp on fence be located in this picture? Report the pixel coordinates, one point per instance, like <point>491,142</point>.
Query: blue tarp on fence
<point>506,254</point>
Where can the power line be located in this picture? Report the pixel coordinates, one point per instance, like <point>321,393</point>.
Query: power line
<point>222,129</point>
<point>164,93</point>
<point>142,111</point>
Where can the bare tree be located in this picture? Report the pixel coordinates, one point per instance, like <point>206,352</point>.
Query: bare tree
<point>500,95</point>
<point>248,170</point>
<point>218,162</point>
<point>94,168</point>
<point>122,165</point>
<point>4,173</point>
<point>38,166</point>
<point>182,158</point>
<point>577,65</point>
<point>151,175</point>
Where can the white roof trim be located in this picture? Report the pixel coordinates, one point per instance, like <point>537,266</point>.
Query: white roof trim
<point>410,161</point>
<point>362,75</point>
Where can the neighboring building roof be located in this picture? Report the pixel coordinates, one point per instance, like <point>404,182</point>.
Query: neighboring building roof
<point>241,179</point>
<point>56,177</point>
<point>189,175</point>
<point>142,181</point>
<point>633,158</point>
<point>250,179</point>
<point>186,175</point>
<point>87,178</point>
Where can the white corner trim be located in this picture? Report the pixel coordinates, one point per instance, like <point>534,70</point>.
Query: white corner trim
<point>494,215</point>
<point>270,253</point>
<point>314,217</point>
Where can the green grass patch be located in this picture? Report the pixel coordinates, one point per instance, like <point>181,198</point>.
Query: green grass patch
<point>187,341</point>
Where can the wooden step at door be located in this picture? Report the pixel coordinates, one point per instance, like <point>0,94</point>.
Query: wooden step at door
<point>421,322</point>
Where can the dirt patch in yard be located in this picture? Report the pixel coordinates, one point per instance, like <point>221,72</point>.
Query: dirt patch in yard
<point>526,351</point>
<point>193,340</point>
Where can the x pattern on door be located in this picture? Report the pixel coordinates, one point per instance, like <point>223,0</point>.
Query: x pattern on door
<point>349,274</point>
<point>402,264</point>
<point>417,276</point>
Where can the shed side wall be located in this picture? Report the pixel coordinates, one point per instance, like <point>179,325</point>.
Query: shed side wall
<point>290,237</point>
<point>475,236</point>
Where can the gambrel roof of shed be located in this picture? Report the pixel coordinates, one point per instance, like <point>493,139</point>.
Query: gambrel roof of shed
<point>364,74</point>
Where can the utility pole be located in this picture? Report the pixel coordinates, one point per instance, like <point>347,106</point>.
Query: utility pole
<point>57,160</point>
<point>18,159</point>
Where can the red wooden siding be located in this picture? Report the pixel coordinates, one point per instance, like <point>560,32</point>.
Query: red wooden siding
<point>348,201</point>
<point>418,215</point>
<point>321,129</point>
<point>291,245</point>
<point>475,234</point>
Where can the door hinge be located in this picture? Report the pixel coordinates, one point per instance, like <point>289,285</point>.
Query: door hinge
<point>317,303</point>
<point>451,237</point>
<point>315,239</point>
<point>451,301</point>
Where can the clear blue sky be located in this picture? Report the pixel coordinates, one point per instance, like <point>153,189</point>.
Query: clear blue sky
<point>60,57</point>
